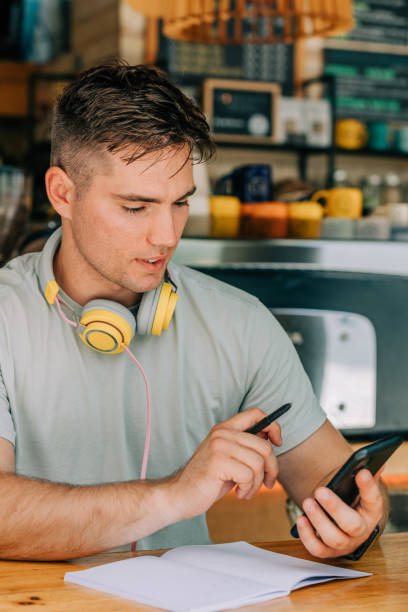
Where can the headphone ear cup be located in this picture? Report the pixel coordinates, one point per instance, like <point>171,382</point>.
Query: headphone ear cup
<point>162,308</point>
<point>106,326</point>
<point>156,310</point>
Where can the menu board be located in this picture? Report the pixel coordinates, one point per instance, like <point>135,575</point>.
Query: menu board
<point>369,85</point>
<point>190,62</point>
<point>370,63</point>
<point>378,21</point>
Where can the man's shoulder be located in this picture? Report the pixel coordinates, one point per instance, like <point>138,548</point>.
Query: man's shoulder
<point>231,308</point>
<point>18,278</point>
<point>194,281</point>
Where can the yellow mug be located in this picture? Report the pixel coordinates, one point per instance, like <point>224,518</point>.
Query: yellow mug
<point>304,219</point>
<point>351,134</point>
<point>225,216</point>
<point>341,201</point>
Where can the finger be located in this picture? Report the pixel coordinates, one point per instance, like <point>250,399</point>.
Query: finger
<point>229,445</point>
<point>255,443</point>
<point>311,542</point>
<point>345,517</point>
<point>274,433</point>
<point>256,462</point>
<point>238,473</point>
<point>242,421</point>
<point>251,450</point>
<point>330,534</point>
<point>264,448</point>
<point>371,501</point>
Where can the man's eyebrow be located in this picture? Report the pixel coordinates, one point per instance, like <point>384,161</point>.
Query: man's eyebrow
<point>134,197</point>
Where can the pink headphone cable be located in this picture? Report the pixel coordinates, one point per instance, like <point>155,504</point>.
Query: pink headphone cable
<point>145,459</point>
<point>148,419</point>
<point>148,424</point>
<point>58,302</point>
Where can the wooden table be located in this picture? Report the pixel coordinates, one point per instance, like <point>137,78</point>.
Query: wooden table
<point>41,584</point>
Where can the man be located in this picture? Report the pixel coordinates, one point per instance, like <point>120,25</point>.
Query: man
<point>73,420</point>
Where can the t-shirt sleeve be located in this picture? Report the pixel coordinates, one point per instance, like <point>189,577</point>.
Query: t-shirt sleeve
<point>6,422</point>
<point>276,376</point>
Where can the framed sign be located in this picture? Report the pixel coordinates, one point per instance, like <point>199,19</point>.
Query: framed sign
<point>241,111</point>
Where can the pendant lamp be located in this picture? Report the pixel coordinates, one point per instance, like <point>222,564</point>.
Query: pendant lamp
<point>248,21</point>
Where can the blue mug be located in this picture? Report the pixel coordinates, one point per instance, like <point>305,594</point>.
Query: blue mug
<point>253,183</point>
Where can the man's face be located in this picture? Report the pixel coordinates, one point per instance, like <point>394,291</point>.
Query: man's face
<point>127,224</point>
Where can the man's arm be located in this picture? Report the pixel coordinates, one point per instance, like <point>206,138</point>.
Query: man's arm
<point>305,470</point>
<point>44,520</point>
<point>48,521</point>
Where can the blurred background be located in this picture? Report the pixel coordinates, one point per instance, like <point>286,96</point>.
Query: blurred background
<point>306,201</point>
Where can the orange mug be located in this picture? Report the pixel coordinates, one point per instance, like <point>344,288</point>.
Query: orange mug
<point>264,220</point>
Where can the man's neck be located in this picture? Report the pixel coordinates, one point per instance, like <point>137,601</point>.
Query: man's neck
<point>81,282</point>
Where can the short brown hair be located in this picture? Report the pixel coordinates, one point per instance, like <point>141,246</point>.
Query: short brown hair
<point>117,107</point>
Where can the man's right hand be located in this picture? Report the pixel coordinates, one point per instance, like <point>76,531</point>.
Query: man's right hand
<point>227,457</point>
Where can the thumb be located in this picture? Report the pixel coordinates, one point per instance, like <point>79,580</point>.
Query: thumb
<point>377,476</point>
<point>244,420</point>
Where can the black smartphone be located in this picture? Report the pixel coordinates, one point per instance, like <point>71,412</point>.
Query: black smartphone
<point>371,457</point>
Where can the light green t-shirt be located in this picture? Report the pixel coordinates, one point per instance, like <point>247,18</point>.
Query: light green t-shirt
<point>77,416</point>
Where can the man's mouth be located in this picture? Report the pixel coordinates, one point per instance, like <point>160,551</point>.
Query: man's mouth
<point>153,262</point>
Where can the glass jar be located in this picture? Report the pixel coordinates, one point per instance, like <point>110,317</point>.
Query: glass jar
<point>391,189</point>
<point>371,188</point>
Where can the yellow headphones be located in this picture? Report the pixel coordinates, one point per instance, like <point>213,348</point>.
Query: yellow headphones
<point>106,326</point>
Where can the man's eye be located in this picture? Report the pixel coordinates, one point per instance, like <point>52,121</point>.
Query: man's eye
<point>133,210</point>
<point>182,203</point>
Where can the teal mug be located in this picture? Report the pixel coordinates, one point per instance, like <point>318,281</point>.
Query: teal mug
<point>401,139</point>
<point>378,136</point>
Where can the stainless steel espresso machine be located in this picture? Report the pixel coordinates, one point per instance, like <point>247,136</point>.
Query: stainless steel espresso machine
<point>344,305</point>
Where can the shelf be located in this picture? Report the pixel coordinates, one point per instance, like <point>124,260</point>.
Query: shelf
<point>11,120</point>
<point>308,150</point>
<point>42,145</point>
<point>371,153</point>
<point>14,77</point>
<point>286,148</point>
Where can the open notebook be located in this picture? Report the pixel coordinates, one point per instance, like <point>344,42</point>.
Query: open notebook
<point>207,578</point>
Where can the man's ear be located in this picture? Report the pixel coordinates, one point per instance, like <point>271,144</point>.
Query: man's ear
<point>60,191</point>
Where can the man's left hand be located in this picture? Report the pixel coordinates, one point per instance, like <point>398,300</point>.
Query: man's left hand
<point>324,538</point>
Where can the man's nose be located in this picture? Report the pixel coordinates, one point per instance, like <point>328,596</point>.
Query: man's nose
<point>162,229</point>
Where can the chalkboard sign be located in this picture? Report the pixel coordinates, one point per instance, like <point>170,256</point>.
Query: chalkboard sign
<point>377,21</point>
<point>369,85</point>
<point>241,111</point>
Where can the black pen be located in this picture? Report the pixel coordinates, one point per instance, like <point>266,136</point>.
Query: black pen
<point>268,419</point>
